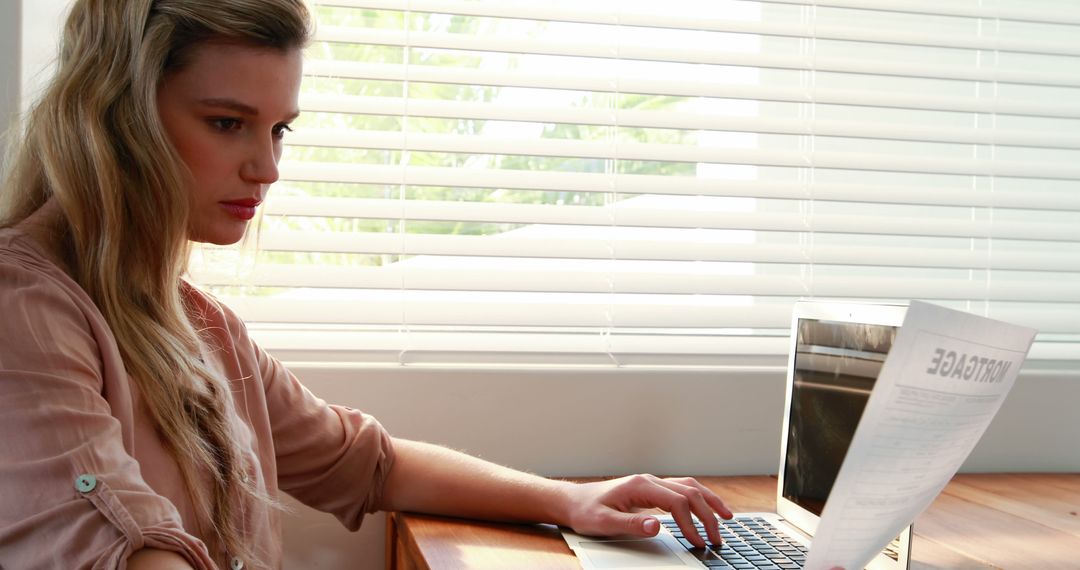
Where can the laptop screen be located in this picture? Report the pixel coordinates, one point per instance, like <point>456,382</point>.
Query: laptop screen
<point>836,364</point>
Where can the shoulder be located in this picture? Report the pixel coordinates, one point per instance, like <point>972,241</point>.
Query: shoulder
<point>21,262</point>
<point>223,331</point>
<point>209,312</point>
<point>46,313</point>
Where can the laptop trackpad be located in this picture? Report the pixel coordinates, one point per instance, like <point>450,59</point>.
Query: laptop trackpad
<point>648,553</point>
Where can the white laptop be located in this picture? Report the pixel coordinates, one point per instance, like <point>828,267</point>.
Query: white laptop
<point>837,350</point>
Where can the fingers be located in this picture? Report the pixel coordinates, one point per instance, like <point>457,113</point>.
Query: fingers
<point>683,506</point>
<point>714,501</point>
<point>685,498</point>
<point>658,493</point>
<point>635,525</point>
<point>651,526</point>
<point>700,502</point>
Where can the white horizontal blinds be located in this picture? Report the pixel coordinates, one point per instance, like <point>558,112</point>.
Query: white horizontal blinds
<point>655,183</point>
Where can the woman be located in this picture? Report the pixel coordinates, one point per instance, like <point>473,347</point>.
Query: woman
<point>153,432</point>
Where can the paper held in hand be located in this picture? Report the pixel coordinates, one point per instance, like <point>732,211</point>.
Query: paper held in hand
<point>944,379</point>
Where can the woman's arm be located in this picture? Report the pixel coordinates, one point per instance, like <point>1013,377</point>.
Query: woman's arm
<point>431,479</point>
<point>68,472</point>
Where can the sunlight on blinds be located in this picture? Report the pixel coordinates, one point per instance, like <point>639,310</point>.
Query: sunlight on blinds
<point>654,184</point>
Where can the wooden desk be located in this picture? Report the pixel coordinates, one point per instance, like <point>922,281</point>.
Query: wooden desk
<point>1005,521</point>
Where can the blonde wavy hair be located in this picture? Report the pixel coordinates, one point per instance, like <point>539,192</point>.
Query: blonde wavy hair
<point>95,144</point>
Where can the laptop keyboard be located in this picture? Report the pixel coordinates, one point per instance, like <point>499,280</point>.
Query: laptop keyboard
<point>750,543</point>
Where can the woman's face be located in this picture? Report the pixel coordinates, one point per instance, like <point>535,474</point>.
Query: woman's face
<point>226,113</point>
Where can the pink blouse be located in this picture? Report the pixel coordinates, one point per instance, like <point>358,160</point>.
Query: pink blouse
<point>84,479</point>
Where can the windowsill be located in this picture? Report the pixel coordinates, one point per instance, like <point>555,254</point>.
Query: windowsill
<point>355,349</point>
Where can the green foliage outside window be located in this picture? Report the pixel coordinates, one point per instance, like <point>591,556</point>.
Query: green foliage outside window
<point>337,17</point>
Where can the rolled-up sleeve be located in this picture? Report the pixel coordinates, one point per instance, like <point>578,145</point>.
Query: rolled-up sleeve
<point>331,458</point>
<point>71,492</point>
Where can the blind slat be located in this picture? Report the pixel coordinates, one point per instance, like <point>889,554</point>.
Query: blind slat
<point>587,13</point>
<point>388,140</point>
<point>546,247</point>
<point>588,347</point>
<point>688,120</point>
<point>602,280</point>
<point>1063,108</point>
<point>692,216</point>
<point>1063,13</point>
<point>682,185</point>
<point>418,310</point>
<point>801,62</point>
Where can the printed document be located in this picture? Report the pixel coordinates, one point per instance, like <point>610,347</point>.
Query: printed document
<point>945,377</point>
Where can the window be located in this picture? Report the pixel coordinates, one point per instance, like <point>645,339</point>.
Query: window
<point>630,183</point>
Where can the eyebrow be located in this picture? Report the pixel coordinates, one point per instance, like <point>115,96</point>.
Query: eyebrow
<point>239,107</point>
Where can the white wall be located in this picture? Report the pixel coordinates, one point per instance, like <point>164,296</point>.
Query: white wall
<point>573,422</point>
<point>41,23</point>
<point>28,45</point>
<point>10,66</point>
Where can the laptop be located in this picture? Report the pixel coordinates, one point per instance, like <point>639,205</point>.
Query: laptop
<point>837,351</point>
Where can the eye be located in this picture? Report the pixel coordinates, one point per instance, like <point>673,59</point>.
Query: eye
<point>225,124</point>
<point>279,130</point>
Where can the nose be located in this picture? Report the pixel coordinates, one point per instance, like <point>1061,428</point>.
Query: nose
<point>262,165</point>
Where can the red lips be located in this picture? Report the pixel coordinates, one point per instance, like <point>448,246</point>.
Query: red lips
<point>246,202</point>
<point>243,209</point>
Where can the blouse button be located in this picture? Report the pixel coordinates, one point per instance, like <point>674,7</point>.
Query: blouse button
<point>85,483</point>
<point>236,564</point>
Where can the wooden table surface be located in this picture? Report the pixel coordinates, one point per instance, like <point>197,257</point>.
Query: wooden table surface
<point>1010,521</point>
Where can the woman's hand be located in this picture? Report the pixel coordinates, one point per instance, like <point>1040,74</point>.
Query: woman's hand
<point>431,479</point>
<point>607,508</point>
